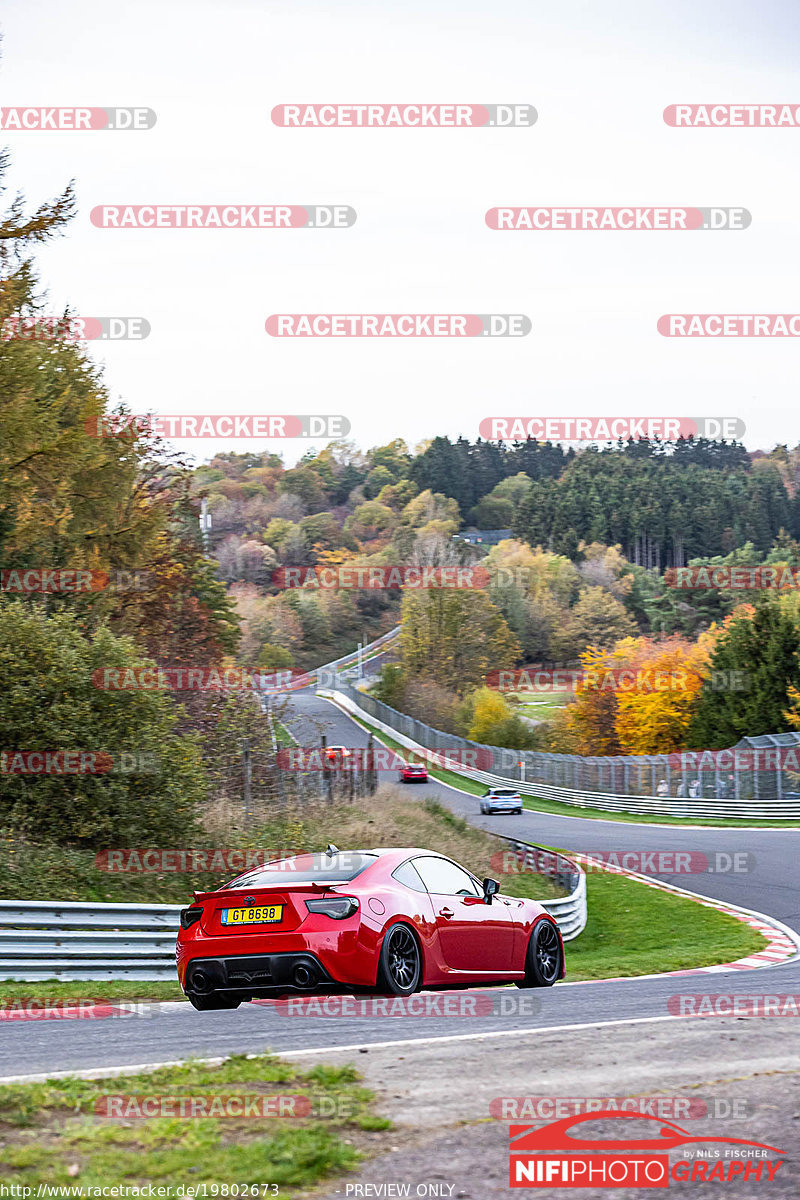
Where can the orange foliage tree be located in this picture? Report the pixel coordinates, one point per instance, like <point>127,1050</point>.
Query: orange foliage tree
<point>639,697</point>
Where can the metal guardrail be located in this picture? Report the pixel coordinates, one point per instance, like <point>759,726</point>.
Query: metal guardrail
<point>527,779</point>
<point>349,661</point>
<point>41,940</point>
<point>570,911</point>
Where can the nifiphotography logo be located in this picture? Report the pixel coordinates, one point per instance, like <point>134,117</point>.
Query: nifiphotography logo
<point>563,1155</point>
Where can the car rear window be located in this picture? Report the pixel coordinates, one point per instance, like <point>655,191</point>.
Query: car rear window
<point>502,792</point>
<point>305,868</point>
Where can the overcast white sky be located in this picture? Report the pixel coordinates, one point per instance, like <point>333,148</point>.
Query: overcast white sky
<point>599,74</point>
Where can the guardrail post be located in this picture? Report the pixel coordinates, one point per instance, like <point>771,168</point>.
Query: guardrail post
<point>247,772</point>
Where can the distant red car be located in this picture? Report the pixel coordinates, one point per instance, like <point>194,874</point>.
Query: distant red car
<point>414,773</point>
<point>391,920</point>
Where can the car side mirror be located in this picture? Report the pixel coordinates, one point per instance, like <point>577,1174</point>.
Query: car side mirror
<point>490,888</point>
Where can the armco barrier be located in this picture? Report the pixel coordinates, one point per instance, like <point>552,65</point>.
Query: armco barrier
<point>349,662</point>
<point>415,735</point>
<point>570,912</point>
<point>42,940</point>
<point>50,940</point>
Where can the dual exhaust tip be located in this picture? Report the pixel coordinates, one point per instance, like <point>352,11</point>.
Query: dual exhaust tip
<point>303,977</point>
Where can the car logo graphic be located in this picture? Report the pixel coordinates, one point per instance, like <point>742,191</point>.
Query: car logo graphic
<point>556,1136</point>
<point>249,899</point>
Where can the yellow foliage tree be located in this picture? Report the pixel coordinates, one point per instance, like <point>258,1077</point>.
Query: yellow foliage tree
<point>639,697</point>
<point>490,709</point>
<point>654,715</point>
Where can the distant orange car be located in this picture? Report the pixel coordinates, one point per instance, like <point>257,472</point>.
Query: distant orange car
<point>335,754</point>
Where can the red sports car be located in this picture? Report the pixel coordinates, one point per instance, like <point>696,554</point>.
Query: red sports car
<point>391,920</point>
<point>413,773</point>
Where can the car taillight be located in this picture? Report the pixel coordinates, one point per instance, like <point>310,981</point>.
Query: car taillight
<point>189,916</point>
<point>336,907</point>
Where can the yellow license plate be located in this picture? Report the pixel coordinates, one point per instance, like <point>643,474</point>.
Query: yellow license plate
<point>252,916</point>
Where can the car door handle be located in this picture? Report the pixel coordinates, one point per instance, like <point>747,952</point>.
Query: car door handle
<point>445,912</point>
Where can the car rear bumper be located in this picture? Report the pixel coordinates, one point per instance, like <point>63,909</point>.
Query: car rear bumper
<point>345,953</point>
<point>258,974</point>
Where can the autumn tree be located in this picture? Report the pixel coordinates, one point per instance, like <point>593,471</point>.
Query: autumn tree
<point>51,701</point>
<point>654,716</point>
<point>454,637</point>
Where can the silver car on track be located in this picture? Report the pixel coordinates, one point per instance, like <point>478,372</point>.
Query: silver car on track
<point>500,800</point>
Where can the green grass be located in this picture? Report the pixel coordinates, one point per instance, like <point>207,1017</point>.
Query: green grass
<point>88,990</point>
<point>557,808</point>
<point>539,709</point>
<point>46,871</point>
<point>50,1132</point>
<point>283,737</point>
<point>638,930</point>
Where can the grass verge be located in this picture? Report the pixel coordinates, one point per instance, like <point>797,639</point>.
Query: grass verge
<point>52,1132</point>
<point>638,930</point>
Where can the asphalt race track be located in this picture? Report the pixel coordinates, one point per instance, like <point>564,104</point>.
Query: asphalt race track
<point>165,1033</point>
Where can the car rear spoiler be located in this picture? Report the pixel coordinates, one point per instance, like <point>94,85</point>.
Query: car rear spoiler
<point>315,886</point>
